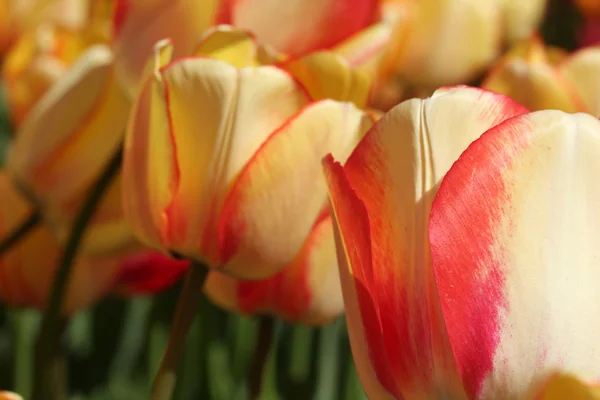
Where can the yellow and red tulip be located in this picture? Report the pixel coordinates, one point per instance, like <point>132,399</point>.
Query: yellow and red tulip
<point>218,161</point>
<point>66,140</point>
<point>547,78</point>
<point>459,290</point>
<point>139,24</point>
<point>590,8</point>
<point>306,291</point>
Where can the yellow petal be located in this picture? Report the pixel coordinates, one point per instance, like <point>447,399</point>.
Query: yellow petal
<point>449,41</point>
<point>73,130</point>
<point>563,386</point>
<point>235,46</point>
<point>521,18</point>
<point>327,76</point>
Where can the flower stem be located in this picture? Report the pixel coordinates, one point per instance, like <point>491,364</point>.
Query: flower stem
<point>21,231</point>
<point>265,339</point>
<point>164,383</point>
<point>51,326</point>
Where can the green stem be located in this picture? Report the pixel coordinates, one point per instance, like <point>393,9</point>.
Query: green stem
<point>265,339</point>
<point>21,231</point>
<point>164,383</point>
<point>51,327</point>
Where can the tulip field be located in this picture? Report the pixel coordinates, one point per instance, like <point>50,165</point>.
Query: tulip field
<point>299,199</point>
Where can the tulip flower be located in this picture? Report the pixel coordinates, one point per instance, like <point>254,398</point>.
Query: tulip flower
<point>459,290</point>
<point>27,269</point>
<point>306,291</point>
<point>221,164</point>
<point>66,140</point>
<point>295,28</point>
<point>546,78</point>
<point>38,59</point>
<point>449,42</point>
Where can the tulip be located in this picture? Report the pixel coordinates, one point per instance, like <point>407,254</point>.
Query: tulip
<point>66,140</point>
<point>459,290</point>
<point>306,291</point>
<point>296,27</point>
<point>221,164</point>
<point>449,42</point>
<point>545,78</point>
<point>27,269</point>
<point>38,60</point>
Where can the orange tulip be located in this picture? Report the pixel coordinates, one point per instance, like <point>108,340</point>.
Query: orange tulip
<point>547,78</point>
<point>306,291</point>
<point>27,269</point>
<point>66,140</point>
<point>453,265</point>
<point>221,164</point>
<point>292,27</point>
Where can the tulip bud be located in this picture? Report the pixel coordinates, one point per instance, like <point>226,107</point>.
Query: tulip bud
<point>68,137</point>
<point>218,161</point>
<point>307,290</point>
<point>521,18</point>
<point>27,269</point>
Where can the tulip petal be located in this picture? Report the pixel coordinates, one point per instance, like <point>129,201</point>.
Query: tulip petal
<point>328,76</point>
<point>561,386</point>
<point>149,273</point>
<point>297,27</point>
<point>521,18</point>
<point>515,244</point>
<point>139,24</point>
<point>395,172</point>
<point>149,165</point>
<point>353,243</point>
<point>67,138</point>
<point>235,46</point>
<point>276,199</point>
<point>307,290</point>
<point>581,71</point>
<point>367,47</point>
